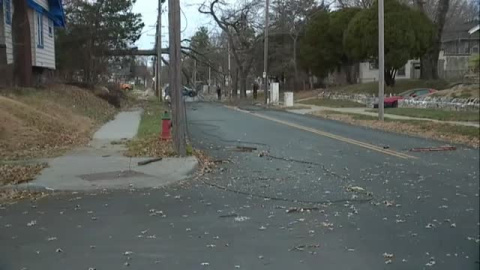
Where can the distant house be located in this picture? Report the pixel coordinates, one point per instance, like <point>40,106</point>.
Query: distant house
<point>459,43</point>
<point>368,71</point>
<point>461,39</point>
<point>43,16</point>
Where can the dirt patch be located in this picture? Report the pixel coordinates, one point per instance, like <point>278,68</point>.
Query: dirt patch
<point>425,129</point>
<point>45,122</point>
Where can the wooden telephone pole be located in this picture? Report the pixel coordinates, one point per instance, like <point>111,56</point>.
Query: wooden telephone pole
<point>265,53</point>
<point>381,60</point>
<point>158,69</point>
<point>178,105</point>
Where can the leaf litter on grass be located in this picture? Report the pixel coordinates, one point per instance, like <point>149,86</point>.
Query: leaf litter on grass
<point>17,174</point>
<point>150,146</point>
<point>46,122</point>
<point>426,129</point>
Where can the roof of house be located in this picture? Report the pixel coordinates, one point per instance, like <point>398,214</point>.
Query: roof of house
<point>55,12</point>
<point>474,29</point>
<point>460,31</point>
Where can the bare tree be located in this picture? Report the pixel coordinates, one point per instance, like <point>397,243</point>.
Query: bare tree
<point>355,3</point>
<point>242,26</point>
<point>290,18</point>
<point>438,14</point>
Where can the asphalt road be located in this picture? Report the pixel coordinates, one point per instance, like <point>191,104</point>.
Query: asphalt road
<point>368,203</point>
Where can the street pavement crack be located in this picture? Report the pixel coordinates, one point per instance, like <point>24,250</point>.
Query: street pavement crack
<point>309,163</point>
<point>273,198</point>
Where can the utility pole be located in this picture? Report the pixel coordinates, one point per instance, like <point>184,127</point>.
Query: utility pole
<point>194,74</point>
<point>158,69</point>
<point>381,60</point>
<point>179,125</point>
<point>265,53</point>
<point>229,77</point>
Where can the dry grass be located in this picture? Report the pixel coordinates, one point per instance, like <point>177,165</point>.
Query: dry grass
<point>45,122</point>
<point>11,196</point>
<point>295,107</point>
<point>436,114</point>
<point>460,91</point>
<point>307,94</point>
<point>400,86</point>
<point>149,146</point>
<point>426,129</point>
<point>17,174</point>
<point>334,103</point>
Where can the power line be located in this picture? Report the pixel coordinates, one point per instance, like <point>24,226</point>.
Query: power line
<point>186,21</point>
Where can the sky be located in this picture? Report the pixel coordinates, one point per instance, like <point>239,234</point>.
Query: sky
<point>191,20</point>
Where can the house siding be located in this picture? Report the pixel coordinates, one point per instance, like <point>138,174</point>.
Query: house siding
<point>371,75</point>
<point>8,37</point>
<point>43,57</point>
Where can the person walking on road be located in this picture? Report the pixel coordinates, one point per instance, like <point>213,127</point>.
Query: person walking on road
<point>255,90</point>
<point>219,92</point>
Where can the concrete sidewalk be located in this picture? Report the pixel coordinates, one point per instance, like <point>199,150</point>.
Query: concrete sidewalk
<point>363,111</point>
<point>102,164</point>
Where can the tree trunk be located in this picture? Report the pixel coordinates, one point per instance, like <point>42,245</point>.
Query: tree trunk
<point>234,87</point>
<point>429,62</point>
<point>350,73</point>
<point>243,84</point>
<point>390,77</point>
<point>310,79</point>
<point>22,44</point>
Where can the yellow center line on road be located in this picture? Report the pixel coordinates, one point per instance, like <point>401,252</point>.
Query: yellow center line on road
<point>330,135</point>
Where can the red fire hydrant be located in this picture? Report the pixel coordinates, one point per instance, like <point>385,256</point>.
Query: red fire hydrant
<point>166,124</point>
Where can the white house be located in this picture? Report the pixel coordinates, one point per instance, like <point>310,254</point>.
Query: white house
<point>44,16</point>
<point>368,71</point>
<point>459,43</point>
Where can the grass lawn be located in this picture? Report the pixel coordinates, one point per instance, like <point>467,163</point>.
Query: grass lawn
<point>400,86</point>
<point>148,143</point>
<point>335,103</point>
<point>151,122</point>
<point>434,114</point>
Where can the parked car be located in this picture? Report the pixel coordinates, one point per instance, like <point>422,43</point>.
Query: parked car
<point>126,86</point>
<point>392,102</point>
<point>186,92</point>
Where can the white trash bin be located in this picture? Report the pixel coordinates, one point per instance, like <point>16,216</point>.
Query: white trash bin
<point>288,98</point>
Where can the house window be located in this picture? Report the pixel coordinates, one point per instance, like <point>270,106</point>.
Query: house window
<point>50,28</point>
<point>373,64</point>
<point>475,49</point>
<point>8,12</point>
<point>401,71</point>
<point>39,30</point>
